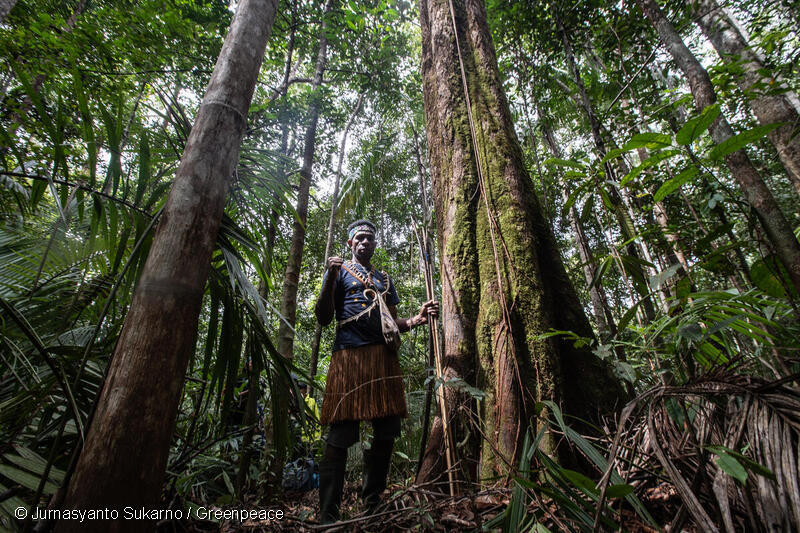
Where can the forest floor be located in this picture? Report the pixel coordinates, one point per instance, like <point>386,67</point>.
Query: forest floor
<point>411,508</point>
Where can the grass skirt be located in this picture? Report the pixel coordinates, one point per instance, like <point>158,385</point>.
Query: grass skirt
<point>363,383</point>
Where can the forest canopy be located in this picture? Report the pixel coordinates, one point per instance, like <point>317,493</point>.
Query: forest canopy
<point>602,197</point>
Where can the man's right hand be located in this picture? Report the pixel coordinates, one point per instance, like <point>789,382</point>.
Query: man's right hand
<point>334,264</point>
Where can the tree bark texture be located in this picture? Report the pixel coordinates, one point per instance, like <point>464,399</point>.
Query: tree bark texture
<point>768,102</point>
<point>5,8</point>
<point>503,283</point>
<point>125,453</point>
<point>755,191</point>
<point>291,278</point>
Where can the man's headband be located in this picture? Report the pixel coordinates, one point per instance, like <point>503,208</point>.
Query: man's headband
<point>361,228</point>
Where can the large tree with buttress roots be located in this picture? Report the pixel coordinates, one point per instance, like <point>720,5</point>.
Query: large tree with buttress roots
<point>504,286</point>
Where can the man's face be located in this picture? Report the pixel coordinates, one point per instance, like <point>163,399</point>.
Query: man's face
<point>362,245</point>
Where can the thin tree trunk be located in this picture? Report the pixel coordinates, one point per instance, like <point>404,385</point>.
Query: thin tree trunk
<point>285,344</point>
<point>503,282</point>
<point>272,222</point>
<point>284,154</point>
<point>768,105</point>
<point>250,419</point>
<point>623,218</point>
<point>602,312</point>
<point>312,371</point>
<point>125,453</point>
<point>5,8</point>
<point>608,243</point>
<point>755,191</point>
<point>676,255</point>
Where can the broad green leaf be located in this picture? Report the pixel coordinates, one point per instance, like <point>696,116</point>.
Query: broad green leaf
<point>34,463</point>
<point>739,141</point>
<point>606,198</point>
<point>564,163</point>
<point>586,212</point>
<point>29,481</point>
<point>574,195</point>
<point>651,161</point>
<point>601,269</point>
<point>581,481</point>
<point>751,465</point>
<point>648,140</point>
<point>673,184</point>
<point>764,274</point>
<point>12,503</point>
<point>629,314</point>
<point>591,451</point>
<point>633,174</point>
<point>728,464</point>
<point>616,152</point>
<point>674,411</point>
<point>660,156</point>
<point>228,483</point>
<point>695,127</point>
<point>659,279</point>
<point>618,491</point>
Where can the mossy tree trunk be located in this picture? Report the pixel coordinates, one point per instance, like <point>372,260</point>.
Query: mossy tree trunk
<point>125,453</point>
<point>503,283</point>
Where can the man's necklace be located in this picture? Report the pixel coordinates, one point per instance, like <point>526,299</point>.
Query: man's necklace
<point>358,273</point>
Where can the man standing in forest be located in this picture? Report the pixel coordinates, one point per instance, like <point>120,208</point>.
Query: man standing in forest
<point>364,379</point>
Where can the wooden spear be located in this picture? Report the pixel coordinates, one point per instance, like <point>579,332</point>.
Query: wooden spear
<point>433,324</point>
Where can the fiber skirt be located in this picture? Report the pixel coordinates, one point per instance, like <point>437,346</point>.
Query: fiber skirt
<point>363,383</point>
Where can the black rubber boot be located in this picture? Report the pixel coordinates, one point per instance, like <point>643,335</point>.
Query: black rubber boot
<point>331,484</point>
<point>376,469</point>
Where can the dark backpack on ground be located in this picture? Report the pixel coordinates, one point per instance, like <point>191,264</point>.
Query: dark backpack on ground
<point>299,475</point>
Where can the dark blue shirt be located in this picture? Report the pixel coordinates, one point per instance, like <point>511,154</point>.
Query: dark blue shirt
<point>349,300</point>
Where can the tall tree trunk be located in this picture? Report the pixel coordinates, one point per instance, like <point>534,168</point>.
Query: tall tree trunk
<point>312,371</point>
<point>755,191</point>
<point>125,453</point>
<point>602,312</point>
<point>291,278</point>
<point>768,106</point>
<point>5,8</point>
<point>250,419</point>
<point>272,224</point>
<point>623,218</point>
<point>503,283</point>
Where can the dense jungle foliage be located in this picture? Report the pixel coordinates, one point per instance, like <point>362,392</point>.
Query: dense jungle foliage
<point>692,292</point>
